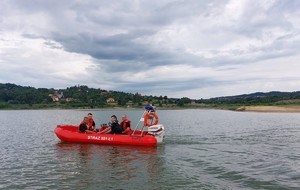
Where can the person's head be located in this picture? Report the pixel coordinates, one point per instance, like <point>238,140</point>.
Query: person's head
<point>86,120</point>
<point>113,118</point>
<point>124,117</point>
<point>90,115</point>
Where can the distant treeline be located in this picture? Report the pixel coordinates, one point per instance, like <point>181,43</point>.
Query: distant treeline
<point>14,96</point>
<point>81,96</point>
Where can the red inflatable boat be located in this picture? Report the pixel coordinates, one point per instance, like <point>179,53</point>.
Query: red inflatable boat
<point>153,135</point>
<point>69,133</point>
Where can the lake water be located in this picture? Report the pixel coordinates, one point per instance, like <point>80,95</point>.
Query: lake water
<point>203,149</point>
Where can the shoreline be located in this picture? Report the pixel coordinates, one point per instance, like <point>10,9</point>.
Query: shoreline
<point>277,109</point>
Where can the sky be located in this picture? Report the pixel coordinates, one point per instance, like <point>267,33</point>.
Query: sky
<point>175,48</point>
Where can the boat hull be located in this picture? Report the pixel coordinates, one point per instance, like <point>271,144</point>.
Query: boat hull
<point>69,133</point>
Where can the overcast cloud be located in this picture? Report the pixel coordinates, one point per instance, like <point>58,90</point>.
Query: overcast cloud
<point>195,49</point>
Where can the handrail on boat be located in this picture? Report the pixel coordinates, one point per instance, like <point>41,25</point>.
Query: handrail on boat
<point>148,109</point>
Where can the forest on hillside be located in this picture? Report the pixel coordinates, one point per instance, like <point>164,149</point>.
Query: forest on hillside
<point>14,96</point>
<point>81,96</point>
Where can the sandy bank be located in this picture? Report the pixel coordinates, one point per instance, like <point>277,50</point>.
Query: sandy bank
<point>269,109</point>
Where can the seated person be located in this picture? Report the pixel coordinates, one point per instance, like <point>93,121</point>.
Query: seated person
<point>126,125</point>
<point>84,126</point>
<point>92,122</point>
<point>114,127</point>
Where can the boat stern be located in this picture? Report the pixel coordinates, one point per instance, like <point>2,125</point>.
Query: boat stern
<point>158,131</point>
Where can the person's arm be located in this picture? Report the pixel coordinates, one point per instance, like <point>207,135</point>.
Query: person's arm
<point>125,131</point>
<point>106,130</point>
<point>89,131</point>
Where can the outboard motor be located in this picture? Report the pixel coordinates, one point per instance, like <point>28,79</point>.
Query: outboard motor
<point>158,131</point>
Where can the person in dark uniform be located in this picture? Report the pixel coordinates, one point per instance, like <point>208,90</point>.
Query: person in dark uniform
<point>114,126</point>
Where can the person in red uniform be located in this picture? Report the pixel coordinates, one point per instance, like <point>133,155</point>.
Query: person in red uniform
<point>92,122</point>
<point>84,126</point>
<point>126,125</point>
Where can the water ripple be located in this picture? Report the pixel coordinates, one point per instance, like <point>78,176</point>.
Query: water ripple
<point>203,149</point>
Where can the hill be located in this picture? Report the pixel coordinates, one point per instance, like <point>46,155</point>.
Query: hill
<point>258,98</point>
<point>14,96</point>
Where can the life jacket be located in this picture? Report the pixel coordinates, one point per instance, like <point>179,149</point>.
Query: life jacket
<point>124,124</point>
<point>91,122</point>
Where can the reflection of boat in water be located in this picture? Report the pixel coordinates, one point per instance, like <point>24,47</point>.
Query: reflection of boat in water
<point>94,164</point>
<point>152,135</point>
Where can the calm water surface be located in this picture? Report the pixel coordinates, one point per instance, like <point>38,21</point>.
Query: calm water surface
<point>203,149</point>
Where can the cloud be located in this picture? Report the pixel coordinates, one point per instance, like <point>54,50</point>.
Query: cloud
<point>194,49</point>
<point>40,62</point>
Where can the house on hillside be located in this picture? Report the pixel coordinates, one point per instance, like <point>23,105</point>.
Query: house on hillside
<point>56,96</point>
<point>60,95</point>
<point>110,100</point>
